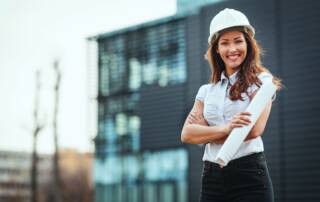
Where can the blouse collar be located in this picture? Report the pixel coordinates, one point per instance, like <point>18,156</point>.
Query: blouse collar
<point>232,78</point>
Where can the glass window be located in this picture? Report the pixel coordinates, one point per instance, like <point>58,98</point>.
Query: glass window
<point>114,105</point>
<point>167,169</point>
<point>149,56</point>
<point>132,102</point>
<point>163,75</point>
<point>121,124</point>
<point>104,76</point>
<point>131,168</point>
<point>150,192</point>
<point>110,135</point>
<point>154,55</point>
<point>150,73</point>
<point>164,176</point>
<point>134,128</point>
<point>167,193</point>
<point>135,74</point>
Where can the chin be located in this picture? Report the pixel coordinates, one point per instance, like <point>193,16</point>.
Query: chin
<point>235,66</point>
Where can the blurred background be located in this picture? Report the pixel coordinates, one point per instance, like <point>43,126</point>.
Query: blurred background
<point>95,93</point>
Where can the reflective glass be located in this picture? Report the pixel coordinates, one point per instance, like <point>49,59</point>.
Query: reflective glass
<point>153,55</point>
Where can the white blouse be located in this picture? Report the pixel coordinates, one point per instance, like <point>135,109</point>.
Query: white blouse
<point>219,109</point>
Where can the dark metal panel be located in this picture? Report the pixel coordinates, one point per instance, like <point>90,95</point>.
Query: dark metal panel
<point>300,51</point>
<point>195,71</point>
<point>162,115</point>
<point>193,53</point>
<point>194,172</point>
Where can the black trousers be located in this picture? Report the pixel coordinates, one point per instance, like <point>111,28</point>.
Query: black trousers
<point>243,180</point>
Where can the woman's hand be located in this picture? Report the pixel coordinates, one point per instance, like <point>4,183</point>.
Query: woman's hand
<point>195,129</point>
<point>238,121</point>
<point>196,118</point>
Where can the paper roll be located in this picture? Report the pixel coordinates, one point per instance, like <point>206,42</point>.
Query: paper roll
<point>238,135</point>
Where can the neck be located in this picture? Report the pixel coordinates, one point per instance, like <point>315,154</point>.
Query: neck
<point>230,71</point>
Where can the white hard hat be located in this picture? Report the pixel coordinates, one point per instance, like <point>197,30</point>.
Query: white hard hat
<point>228,18</point>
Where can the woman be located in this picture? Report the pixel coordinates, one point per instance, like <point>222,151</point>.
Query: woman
<point>234,57</point>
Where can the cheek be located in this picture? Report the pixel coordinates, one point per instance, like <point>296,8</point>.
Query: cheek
<point>244,50</point>
<point>245,54</point>
<point>221,52</point>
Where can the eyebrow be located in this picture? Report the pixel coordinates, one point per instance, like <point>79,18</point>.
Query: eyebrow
<point>238,37</point>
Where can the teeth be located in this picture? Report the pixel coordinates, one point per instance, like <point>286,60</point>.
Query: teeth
<point>233,57</point>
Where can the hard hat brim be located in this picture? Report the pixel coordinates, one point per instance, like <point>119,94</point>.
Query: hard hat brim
<point>218,32</point>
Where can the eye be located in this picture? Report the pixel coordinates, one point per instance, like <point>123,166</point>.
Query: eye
<point>224,43</point>
<point>239,41</point>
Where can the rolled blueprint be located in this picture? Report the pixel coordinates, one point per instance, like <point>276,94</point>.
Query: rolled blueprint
<point>238,135</point>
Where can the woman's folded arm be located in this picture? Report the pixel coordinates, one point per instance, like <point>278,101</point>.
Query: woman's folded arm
<point>196,130</point>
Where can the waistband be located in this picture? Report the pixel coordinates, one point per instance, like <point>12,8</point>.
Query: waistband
<point>256,157</point>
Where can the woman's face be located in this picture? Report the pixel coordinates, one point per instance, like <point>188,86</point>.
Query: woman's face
<point>232,48</point>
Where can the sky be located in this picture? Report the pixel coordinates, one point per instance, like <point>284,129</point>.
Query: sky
<point>33,34</point>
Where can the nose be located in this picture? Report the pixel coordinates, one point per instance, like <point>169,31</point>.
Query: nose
<point>233,48</point>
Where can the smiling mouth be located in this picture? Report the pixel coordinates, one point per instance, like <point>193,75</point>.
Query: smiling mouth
<point>233,57</point>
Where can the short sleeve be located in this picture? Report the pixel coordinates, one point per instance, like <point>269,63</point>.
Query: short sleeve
<point>202,92</point>
<point>264,76</point>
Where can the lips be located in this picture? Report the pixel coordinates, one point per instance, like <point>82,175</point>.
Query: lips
<point>233,57</point>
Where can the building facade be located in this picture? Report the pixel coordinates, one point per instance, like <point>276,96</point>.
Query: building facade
<point>75,176</point>
<point>132,65</point>
<point>189,6</point>
<point>148,76</point>
<point>15,171</point>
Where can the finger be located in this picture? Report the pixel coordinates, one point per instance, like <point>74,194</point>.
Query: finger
<point>243,122</point>
<point>245,113</point>
<point>245,119</point>
<point>240,121</point>
<point>193,116</point>
<point>191,120</point>
<point>242,117</point>
<point>237,125</point>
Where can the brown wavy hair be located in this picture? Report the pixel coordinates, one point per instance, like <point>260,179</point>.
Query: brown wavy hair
<point>249,69</point>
